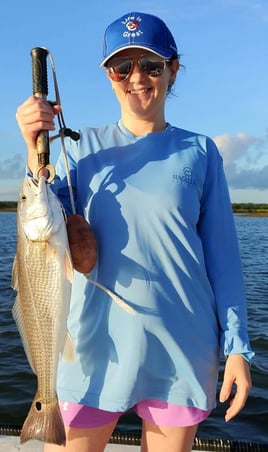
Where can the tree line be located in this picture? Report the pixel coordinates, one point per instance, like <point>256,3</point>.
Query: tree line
<point>8,205</point>
<point>250,207</point>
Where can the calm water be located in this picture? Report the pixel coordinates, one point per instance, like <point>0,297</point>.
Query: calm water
<point>17,384</point>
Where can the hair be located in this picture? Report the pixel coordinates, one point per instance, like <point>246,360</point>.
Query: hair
<point>169,63</point>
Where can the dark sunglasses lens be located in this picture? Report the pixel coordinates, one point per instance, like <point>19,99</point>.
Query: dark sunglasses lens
<point>152,68</point>
<point>120,71</point>
<point>120,68</point>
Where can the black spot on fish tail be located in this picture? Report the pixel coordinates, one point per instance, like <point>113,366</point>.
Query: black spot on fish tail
<point>44,423</point>
<point>38,406</point>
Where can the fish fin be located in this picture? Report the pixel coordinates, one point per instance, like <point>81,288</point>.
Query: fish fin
<point>14,275</point>
<point>126,307</point>
<point>68,353</point>
<point>69,266</point>
<point>18,317</point>
<point>44,422</point>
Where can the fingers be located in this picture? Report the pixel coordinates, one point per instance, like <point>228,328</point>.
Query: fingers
<point>226,390</point>
<point>236,373</point>
<point>34,115</point>
<point>36,111</point>
<point>237,403</point>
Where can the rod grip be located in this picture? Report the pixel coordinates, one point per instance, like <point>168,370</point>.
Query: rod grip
<point>40,89</point>
<point>39,71</point>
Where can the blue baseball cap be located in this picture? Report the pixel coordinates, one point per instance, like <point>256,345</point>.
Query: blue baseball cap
<point>140,30</point>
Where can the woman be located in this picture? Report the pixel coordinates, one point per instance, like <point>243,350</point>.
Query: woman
<point>156,198</point>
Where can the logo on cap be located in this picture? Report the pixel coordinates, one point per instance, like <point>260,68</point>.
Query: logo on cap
<point>132,25</point>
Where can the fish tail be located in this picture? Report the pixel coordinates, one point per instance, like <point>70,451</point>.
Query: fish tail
<point>44,423</point>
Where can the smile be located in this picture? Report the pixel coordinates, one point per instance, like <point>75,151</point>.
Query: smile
<point>139,91</point>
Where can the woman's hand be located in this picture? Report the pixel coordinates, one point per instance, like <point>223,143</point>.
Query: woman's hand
<point>34,115</point>
<point>236,372</point>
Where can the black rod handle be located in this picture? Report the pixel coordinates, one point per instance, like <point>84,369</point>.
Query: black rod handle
<point>40,89</point>
<point>39,71</point>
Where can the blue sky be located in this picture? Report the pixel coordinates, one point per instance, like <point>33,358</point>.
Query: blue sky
<point>222,92</point>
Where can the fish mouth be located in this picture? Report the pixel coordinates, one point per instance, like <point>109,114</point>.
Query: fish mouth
<point>41,182</point>
<point>37,184</point>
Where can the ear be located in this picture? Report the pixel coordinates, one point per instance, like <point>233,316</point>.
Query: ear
<point>174,68</point>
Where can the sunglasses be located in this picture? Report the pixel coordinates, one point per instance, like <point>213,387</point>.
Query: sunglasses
<point>120,68</point>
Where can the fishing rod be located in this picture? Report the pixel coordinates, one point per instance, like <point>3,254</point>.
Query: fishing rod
<point>40,89</point>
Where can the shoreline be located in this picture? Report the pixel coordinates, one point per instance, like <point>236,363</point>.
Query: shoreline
<point>241,214</point>
<point>251,214</point>
<point>6,210</point>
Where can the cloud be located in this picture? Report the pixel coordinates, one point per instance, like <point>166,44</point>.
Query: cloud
<point>251,178</point>
<point>13,167</point>
<point>245,160</point>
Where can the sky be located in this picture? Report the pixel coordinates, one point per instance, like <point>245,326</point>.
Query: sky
<point>222,91</point>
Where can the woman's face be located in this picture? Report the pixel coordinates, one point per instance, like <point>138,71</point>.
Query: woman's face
<point>140,95</point>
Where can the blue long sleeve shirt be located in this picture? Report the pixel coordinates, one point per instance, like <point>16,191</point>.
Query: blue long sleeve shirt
<point>160,209</point>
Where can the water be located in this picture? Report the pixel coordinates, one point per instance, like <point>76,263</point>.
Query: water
<point>17,384</point>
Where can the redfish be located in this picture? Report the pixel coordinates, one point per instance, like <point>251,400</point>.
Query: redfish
<point>42,276</point>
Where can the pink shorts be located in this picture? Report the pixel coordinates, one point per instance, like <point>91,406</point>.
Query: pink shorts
<point>155,411</point>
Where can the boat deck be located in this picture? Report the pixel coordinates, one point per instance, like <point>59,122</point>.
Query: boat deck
<point>12,444</point>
